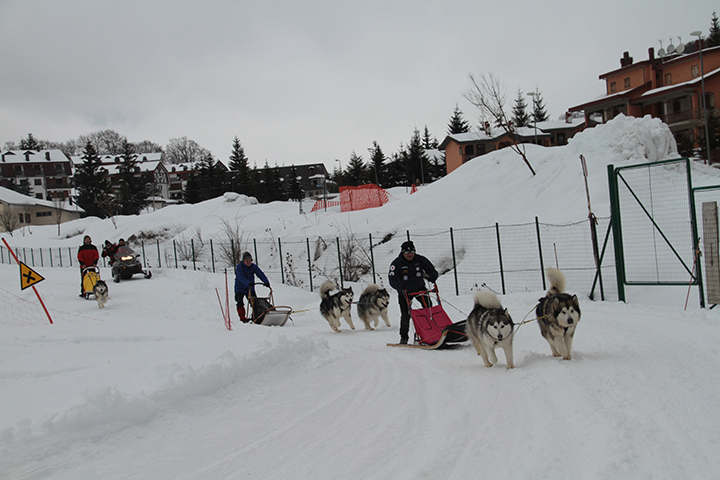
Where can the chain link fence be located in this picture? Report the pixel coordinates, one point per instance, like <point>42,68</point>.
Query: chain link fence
<point>503,258</point>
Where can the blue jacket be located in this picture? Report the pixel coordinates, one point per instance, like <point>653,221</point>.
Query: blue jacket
<point>245,275</point>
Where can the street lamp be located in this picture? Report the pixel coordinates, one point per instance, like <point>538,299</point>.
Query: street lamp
<point>532,94</point>
<point>698,34</point>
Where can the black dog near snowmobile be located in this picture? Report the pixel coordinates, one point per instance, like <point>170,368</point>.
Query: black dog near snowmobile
<point>127,264</point>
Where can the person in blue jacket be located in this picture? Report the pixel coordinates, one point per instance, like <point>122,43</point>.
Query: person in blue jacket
<point>407,274</point>
<point>245,272</point>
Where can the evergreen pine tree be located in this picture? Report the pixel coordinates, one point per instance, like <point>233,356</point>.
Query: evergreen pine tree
<point>23,187</point>
<point>713,39</point>
<point>210,178</point>
<point>396,173</point>
<point>239,168</point>
<point>30,143</point>
<point>377,166</point>
<point>131,193</point>
<point>458,124</point>
<point>539,114</point>
<point>429,142</point>
<point>355,174</point>
<point>191,192</point>
<point>295,190</point>
<point>520,116</point>
<point>415,161</point>
<point>91,184</point>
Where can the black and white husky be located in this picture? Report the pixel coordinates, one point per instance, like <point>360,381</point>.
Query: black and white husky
<point>372,305</point>
<point>336,305</point>
<point>558,314</point>
<point>489,326</point>
<point>100,290</point>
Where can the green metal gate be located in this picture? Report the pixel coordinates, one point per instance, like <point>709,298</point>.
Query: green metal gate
<point>654,225</point>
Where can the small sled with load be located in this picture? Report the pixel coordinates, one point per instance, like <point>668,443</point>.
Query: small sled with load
<point>263,310</point>
<point>433,327</point>
<point>90,276</point>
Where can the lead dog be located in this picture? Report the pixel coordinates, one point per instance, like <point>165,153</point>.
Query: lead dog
<point>100,290</point>
<point>372,305</point>
<point>489,326</point>
<point>336,305</point>
<point>558,314</point>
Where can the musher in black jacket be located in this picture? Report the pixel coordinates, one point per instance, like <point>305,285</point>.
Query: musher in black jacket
<point>407,274</point>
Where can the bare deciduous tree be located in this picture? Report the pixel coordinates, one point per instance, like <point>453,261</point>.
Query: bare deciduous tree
<point>9,219</point>
<point>184,150</point>
<point>488,96</point>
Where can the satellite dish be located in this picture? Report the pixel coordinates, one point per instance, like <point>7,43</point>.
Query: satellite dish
<point>671,48</point>
<point>680,48</point>
<point>661,52</point>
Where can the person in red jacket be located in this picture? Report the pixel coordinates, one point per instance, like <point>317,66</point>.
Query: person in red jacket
<point>87,256</point>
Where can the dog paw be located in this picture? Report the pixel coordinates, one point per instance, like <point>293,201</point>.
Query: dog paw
<point>568,357</point>
<point>488,364</point>
<point>556,354</point>
<point>510,366</point>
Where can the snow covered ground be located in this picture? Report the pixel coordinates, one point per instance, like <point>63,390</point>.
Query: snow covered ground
<point>154,386</point>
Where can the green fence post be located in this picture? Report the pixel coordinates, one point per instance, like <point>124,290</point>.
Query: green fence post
<point>502,271</point>
<point>452,246</point>
<point>372,257</point>
<point>542,262</point>
<point>307,242</point>
<point>617,231</point>
<point>282,272</point>
<point>337,241</point>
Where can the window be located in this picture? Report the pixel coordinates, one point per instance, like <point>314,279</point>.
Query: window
<point>627,82</point>
<point>37,169</point>
<point>28,218</point>
<point>18,168</point>
<point>613,87</point>
<point>38,181</point>
<point>21,217</point>
<point>59,167</point>
<point>38,195</point>
<point>668,79</point>
<point>694,71</point>
<point>43,214</point>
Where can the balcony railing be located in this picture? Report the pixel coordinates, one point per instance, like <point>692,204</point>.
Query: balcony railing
<point>682,116</point>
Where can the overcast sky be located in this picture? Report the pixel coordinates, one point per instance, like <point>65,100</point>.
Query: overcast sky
<point>306,81</point>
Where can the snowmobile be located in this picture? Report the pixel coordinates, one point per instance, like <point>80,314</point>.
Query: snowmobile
<point>127,264</point>
<point>433,327</point>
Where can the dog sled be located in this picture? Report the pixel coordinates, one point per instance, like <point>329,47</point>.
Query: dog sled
<point>90,276</point>
<point>433,327</point>
<point>263,310</point>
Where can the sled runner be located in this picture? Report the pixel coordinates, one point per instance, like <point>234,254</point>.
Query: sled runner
<point>433,327</point>
<point>91,275</point>
<point>263,310</point>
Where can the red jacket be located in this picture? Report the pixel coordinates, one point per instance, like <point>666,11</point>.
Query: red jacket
<point>87,255</point>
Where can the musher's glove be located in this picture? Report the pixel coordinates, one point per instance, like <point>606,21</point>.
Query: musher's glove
<point>266,285</point>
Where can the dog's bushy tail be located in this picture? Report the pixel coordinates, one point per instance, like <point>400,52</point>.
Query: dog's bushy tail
<point>487,300</point>
<point>326,288</point>
<point>557,281</point>
<point>371,289</point>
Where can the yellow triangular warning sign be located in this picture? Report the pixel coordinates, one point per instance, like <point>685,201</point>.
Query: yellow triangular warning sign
<point>28,277</point>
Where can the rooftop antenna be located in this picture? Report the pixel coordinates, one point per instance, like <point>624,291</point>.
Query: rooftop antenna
<point>681,46</point>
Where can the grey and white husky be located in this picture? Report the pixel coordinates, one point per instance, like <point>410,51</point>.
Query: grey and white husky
<point>489,326</point>
<point>558,314</point>
<point>100,290</point>
<point>336,305</point>
<point>372,305</point>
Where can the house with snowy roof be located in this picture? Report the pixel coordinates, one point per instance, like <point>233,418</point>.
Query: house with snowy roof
<point>669,87</point>
<point>47,173</point>
<point>18,210</point>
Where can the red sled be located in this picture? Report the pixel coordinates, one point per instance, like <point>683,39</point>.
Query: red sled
<point>433,327</point>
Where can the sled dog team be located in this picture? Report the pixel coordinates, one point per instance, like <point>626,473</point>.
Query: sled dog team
<point>489,325</point>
